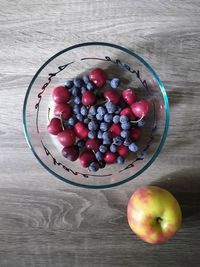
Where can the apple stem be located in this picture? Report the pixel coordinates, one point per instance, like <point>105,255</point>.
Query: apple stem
<point>49,114</point>
<point>138,120</point>
<point>159,220</point>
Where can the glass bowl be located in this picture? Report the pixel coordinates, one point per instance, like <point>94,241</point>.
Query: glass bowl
<point>120,62</point>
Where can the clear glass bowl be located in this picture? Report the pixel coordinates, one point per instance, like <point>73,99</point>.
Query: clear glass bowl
<point>120,62</point>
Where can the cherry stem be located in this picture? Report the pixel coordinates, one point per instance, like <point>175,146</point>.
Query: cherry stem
<point>61,120</point>
<point>138,120</point>
<point>49,114</point>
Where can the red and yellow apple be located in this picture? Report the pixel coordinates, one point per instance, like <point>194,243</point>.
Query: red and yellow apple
<point>154,214</point>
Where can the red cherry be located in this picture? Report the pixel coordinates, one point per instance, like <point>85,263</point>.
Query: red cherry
<point>63,109</point>
<point>93,144</point>
<point>123,150</point>
<point>71,152</point>
<point>129,96</point>
<point>54,126</point>
<point>81,130</point>
<point>135,133</point>
<point>67,137</point>
<point>140,108</point>
<point>98,77</point>
<point>112,95</point>
<point>110,157</point>
<point>115,129</point>
<point>86,158</point>
<point>88,98</point>
<point>127,112</point>
<point>61,94</point>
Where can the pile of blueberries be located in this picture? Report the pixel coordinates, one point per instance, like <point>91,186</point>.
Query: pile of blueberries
<point>97,125</point>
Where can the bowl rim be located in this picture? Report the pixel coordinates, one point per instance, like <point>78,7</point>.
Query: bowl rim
<point>167,115</point>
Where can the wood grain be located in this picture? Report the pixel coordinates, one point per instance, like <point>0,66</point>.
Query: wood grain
<point>44,222</point>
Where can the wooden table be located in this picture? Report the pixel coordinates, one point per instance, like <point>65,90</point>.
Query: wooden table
<point>45,222</point>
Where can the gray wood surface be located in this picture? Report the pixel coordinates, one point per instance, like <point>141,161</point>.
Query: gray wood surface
<point>45,222</point>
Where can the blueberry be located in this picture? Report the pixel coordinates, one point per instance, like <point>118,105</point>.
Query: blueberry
<point>113,148</point>
<point>76,109</point>
<point>79,117</point>
<point>92,125</point>
<point>99,155</point>
<point>72,121</point>
<point>126,125</point>
<point>75,91</point>
<point>86,120</point>
<point>114,83</point>
<point>127,141</point>
<point>83,89</point>
<point>118,140</point>
<point>102,164</point>
<point>69,84</point>
<point>110,107</point>
<point>108,117</point>
<point>85,79</point>
<point>104,126</point>
<point>103,149</point>
<point>141,123</point>
<point>120,160</point>
<point>93,110</point>
<point>84,111</point>
<point>116,119</point>
<point>133,147</point>
<point>92,134</point>
<point>100,134</point>
<point>118,110</point>
<point>78,82</point>
<point>107,141</point>
<point>90,86</point>
<point>77,100</point>
<point>124,133</point>
<point>94,166</point>
<point>106,135</point>
<point>99,117</point>
<point>123,119</point>
<point>101,110</point>
<point>80,143</point>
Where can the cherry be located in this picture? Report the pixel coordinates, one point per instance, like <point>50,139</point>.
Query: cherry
<point>141,108</point>
<point>127,112</point>
<point>54,126</point>
<point>63,109</point>
<point>135,133</point>
<point>93,144</point>
<point>123,150</point>
<point>98,77</point>
<point>129,96</point>
<point>61,94</point>
<point>110,157</point>
<point>115,129</point>
<point>67,137</point>
<point>81,130</point>
<point>71,152</point>
<point>112,96</point>
<point>86,158</point>
<point>88,98</point>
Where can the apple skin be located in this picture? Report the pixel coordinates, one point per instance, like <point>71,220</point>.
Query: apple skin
<point>154,214</point>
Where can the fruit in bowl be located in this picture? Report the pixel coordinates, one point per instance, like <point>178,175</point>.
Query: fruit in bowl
<point>154,214</point>
<point>107,124</point>
<point>69,72</point>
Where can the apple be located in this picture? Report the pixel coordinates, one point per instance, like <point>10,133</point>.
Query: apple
<point>154,214</point>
